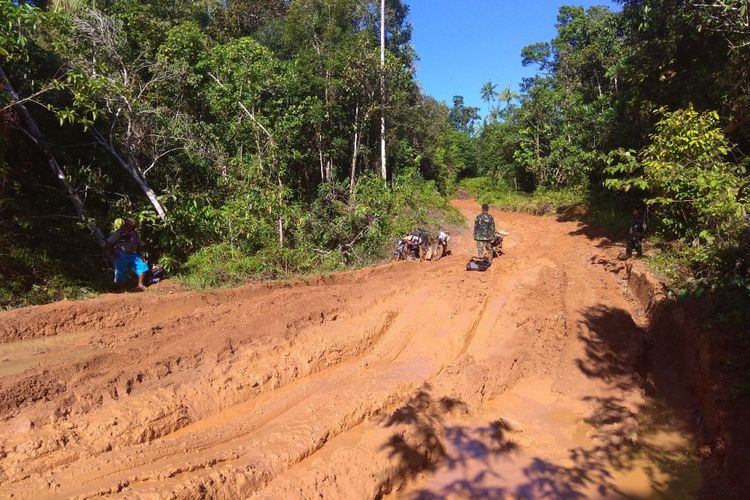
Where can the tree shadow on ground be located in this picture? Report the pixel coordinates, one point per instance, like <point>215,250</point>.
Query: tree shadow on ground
<point>605,239</point>
<point>627,433</point>
<point>615,348</point>
<point>422,435</point>
<point>618,352</point>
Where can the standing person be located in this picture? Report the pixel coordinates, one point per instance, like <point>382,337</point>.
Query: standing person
<point>484,232</point>
<point>636,232</point>
<point>125,243</point>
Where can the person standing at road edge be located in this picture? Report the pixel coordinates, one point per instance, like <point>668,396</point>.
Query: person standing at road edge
<point>635,234</point>
<point>484,232</point>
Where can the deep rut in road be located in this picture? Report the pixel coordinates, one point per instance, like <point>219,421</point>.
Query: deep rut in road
<point>411,379</point>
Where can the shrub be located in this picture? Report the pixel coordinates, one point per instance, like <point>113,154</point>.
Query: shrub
<point>338,229</point>
<point>503,198</point>
<point>694,193</point>
<point>221,265</point>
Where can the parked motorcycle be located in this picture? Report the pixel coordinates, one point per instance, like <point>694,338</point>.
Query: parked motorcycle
<point>415,245</point>
<point>400,252</point>
<point>440,246</point>
<point>497,243</point>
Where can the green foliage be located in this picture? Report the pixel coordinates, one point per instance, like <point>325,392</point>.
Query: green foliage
<point>241,134</point>
<point>475,186</point>
<point>554,138</point>
<point>586,121</point>
<point>28,278</point>
<point>696,196</point>
<point>18,22</point>
<point>696,192</point>
<point>602,210</point>
<point>340,230</point>
<point>462,117</point>
<point>444,153</point>
<point>498,146</point>
<point>541,201</point>
<point>220,265</point>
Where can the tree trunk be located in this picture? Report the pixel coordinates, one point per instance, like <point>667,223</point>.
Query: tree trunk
<point>355,147</point>
<point>134,172</point>
<point>320,157</point>
<point>384,171</point>
<point>33,132</point>
<point>281,220</point>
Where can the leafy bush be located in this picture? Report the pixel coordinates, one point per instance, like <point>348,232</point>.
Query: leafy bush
<point>221,265</point>
<point>339,229</point>
<point>29,277</point>
<point>476,186</point>
<point>696,196</point>
<point>503,198</point>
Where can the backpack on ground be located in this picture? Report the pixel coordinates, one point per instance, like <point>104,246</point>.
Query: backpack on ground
<point>476,264</point>
<point>154,275</point>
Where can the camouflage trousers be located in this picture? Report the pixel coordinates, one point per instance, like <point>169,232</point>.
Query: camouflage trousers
<point>483,245</point>
<point>634,243</point>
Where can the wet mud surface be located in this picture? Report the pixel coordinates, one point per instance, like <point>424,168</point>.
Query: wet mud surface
<point>405,380</point>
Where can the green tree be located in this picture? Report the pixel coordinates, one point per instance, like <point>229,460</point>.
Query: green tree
<point>695,192</point>
<point>462,117</point>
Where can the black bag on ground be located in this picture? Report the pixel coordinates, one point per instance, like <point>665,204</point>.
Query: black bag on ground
<point>477,264</point>
<point>154,275</point>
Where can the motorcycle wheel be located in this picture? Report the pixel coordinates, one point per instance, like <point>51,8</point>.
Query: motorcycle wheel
<point>437,252</point>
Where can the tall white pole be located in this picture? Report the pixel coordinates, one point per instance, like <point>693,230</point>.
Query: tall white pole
<point>382,90</point>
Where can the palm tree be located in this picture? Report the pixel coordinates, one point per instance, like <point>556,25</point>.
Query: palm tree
<point>488,91</point>
<point>507,95</point>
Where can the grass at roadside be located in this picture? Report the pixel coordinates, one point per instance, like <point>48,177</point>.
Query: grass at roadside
<point>601,210</point>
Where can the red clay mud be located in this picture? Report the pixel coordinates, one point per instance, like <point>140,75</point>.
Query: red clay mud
<point>410,379</point>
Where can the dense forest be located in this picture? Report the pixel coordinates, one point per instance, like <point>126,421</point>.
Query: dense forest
<point>645,107</point>
<point>244,136</point>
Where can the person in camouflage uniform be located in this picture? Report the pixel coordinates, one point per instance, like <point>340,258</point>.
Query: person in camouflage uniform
<point>484,232</point>
<point>636,232</point>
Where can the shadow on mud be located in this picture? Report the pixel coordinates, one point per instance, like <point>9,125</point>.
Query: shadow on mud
<point>421,433</point>
<point>643,439</point>
<point>604,237</point>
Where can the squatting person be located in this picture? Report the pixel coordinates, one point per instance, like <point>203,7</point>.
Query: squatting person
<point>125,243</point>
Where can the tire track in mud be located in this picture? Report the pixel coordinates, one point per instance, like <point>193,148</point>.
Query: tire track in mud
<point>438,430</point>
<point>143,429</point>
<point>329,431</point>
<point>368,405</point>
<point>394,354</point>
<point>356,386</point>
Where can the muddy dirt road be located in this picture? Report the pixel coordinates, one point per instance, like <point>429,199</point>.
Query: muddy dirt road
<point>411,380</point>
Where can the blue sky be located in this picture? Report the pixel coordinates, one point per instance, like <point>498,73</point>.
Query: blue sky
<point>463,43</point>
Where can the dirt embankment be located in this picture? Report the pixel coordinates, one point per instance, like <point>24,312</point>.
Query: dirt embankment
<point>701,354</point>
<point>411,379</point>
